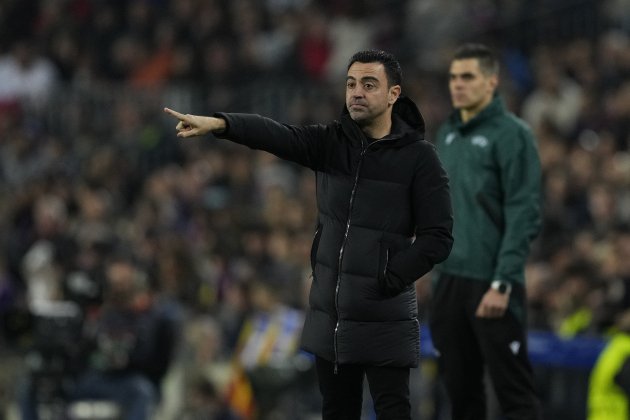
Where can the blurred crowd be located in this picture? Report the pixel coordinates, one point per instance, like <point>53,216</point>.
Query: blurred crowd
<point>215,238</point>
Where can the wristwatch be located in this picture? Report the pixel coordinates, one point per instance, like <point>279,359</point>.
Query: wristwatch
<point>501,286</point>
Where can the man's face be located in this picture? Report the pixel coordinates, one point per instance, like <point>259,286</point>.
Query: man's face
<point>471,89</point>
<point>368,97</point>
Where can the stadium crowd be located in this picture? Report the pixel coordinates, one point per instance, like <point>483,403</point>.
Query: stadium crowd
<point>90,170</point>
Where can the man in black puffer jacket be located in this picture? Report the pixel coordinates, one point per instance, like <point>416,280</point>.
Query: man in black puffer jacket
<point>385,220</point>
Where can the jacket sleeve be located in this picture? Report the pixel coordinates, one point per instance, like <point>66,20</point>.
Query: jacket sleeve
<point>520,178</point>
<point>433,217</point>
<point>622,378</point>
<point>299,144</point>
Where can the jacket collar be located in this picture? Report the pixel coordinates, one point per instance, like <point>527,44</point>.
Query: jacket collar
<point>495,107</point>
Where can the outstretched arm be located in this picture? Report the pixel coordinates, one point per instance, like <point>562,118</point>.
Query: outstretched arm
<point>196,125</point>
<point>300,144</point>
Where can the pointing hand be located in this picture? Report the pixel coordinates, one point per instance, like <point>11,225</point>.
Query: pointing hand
<point>195,125</point>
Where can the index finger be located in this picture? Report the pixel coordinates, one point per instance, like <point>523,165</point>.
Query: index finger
<point>175,114</point>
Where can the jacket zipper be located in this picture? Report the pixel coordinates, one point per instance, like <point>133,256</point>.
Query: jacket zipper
<point>341,250</point>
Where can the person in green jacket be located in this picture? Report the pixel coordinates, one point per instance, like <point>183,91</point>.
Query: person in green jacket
<point>477,317</point>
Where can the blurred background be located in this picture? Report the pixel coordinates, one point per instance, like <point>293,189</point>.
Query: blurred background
<point>175,272</point>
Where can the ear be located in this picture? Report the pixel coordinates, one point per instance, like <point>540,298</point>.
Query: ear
<point>394,93</point>
<point>494,81</point>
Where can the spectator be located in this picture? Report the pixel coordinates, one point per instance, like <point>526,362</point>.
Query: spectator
<point>27,77</point>
<point>609,387</point>
<point>556,100</point>
<point>267,355</point>
<point>132,342</point>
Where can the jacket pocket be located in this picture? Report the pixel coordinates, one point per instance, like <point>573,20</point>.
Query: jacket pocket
<point>390,284</point>
<point>315,246</point>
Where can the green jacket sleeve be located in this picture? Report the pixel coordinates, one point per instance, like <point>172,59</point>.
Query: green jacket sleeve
<point>520,179</point>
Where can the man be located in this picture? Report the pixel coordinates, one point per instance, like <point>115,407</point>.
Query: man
<point>127,348</point>
<point>477,317</point>
<point>384,220</point>
<point>135,336</point>
<point>266,353</point>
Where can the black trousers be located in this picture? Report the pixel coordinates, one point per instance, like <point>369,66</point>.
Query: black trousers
<point>342,393</point>
<point>466,344</point>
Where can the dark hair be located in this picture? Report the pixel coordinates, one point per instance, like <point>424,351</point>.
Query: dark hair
<point>488,61</point>
<point>392,66</point>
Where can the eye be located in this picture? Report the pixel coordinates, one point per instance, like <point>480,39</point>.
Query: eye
<point>368,86</point>
<point>350,85</point>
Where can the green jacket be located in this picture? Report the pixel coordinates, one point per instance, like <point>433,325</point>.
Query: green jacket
<point>606,399</point>
<point>495,182</point>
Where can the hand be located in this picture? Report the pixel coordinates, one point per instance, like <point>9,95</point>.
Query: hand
<point>391,285</point>
<point>493,304</point>
<point>195,125</point>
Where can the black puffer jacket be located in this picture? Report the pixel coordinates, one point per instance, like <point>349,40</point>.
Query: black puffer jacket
<point>373,199</point>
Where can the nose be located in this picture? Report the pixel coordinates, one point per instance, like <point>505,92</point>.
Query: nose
<point>456,85</point>
<point>358,93</point>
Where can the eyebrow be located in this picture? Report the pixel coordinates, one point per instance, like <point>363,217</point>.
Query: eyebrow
<point>464,74</point>
<point>364,79</point>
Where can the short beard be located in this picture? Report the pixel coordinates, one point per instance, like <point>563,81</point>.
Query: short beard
<point>362,120</point>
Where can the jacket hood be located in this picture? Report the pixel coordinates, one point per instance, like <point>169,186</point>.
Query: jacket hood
<point>406,110</point>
